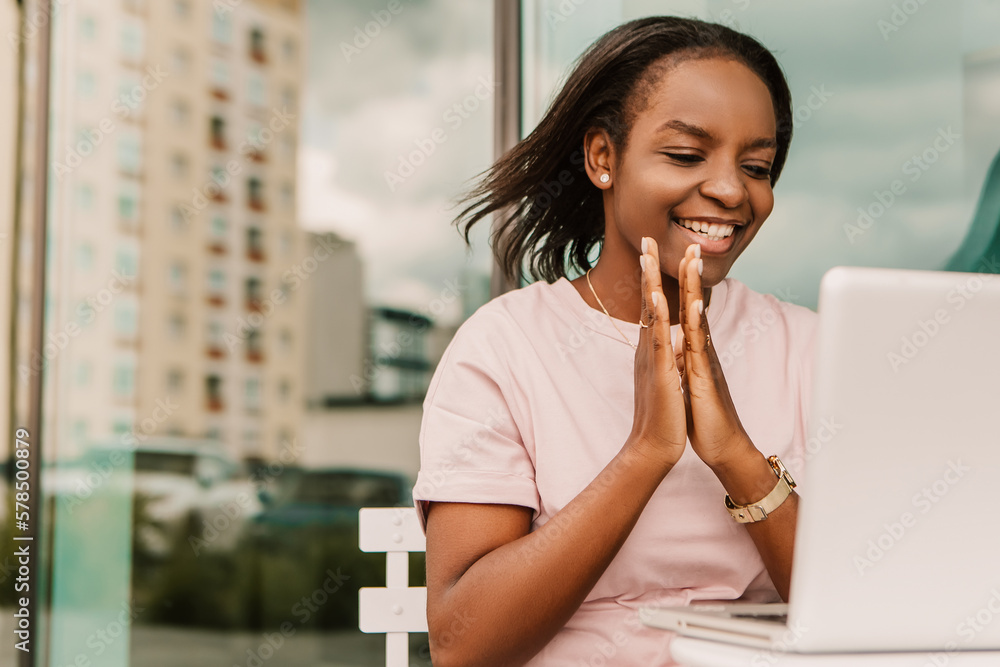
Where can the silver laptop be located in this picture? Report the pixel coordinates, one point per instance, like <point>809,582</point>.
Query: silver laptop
<point>898,536</point>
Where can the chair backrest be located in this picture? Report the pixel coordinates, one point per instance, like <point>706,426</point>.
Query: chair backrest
<point>398,609</point>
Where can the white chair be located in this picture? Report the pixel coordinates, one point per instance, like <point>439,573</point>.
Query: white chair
<point>398,609</point>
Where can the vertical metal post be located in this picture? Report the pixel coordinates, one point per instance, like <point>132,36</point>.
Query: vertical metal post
<point>36,342</point>
<point>507,104</point>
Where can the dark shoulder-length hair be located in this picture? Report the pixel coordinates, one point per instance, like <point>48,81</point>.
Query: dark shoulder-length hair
<point>551,214</point>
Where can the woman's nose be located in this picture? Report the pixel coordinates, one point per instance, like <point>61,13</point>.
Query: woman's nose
<point>724,183</point>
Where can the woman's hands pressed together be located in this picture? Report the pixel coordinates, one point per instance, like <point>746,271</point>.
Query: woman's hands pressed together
<point>681,391</point>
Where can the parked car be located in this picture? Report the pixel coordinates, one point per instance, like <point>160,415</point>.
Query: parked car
<point>186,491</point>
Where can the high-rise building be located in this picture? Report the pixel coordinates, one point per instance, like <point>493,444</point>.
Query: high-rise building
<point>175,246</point>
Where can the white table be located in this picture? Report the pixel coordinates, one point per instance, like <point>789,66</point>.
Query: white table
<point>692,652</point>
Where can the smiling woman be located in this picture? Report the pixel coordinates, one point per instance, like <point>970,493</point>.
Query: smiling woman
<point>584,451</point>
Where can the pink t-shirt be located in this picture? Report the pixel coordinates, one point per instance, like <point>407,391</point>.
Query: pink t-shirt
<point>534,397</point>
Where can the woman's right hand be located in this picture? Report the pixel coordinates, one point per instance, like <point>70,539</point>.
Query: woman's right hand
<point>660,424</point>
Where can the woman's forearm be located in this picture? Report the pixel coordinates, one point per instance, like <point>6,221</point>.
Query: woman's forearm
<point>747,480</point>
<point>514,599</point>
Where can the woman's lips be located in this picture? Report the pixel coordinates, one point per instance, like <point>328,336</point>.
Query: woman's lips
<point>707,244</point>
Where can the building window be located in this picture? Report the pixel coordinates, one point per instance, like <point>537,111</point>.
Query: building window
<point>222,27</point>
<point>126,262</point>
<point>129,95</point>
<point>84,257</point>
<point>255,90</point>
<point>129,154</point>
<point>252,389</point>
<point>255,346</point>
<point>213,392</point>
<point>253,291</point>
<point>216,287</point>
<point>257,53</point>
<point>219,227</point>
<point>124,379</point>
<point>220,74</point>
<point>288,48</point>
<point>85,197</point>
<point>255,194</point>
<point>217,130</point>
<point>288,97</point>
<point>177,277</point>
<point>216,335</point>
<point>176,326</point>
<point>132,40</point>
<point>126,320</point>
<point>83,373</point>
<point>177,221</point>
<point>179,166</point>
<point>86,85</point>
<point>181,60</point>
<point>182,9</point>
<point>128,204</point>
<point>88,28</point>
<point>175,380</point>
<point>180,112</point>
<point>255,244</point>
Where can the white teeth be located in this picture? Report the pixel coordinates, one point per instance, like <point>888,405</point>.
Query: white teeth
<point>714,231</point>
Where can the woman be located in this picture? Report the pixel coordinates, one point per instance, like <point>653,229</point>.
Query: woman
<point>580,436</point>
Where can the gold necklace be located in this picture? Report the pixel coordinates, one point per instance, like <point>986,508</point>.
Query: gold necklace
<point>606,310</point>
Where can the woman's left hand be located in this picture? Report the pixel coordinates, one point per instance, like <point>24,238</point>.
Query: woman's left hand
<point>713,426</point>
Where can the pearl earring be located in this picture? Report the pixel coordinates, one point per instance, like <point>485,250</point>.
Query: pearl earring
<point>605,178</point>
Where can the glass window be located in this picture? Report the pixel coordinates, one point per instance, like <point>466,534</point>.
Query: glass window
<point>255,90</point>
<point>126,320</point>
<point>218,227</point>
<point>85,258</point>
<point>177,277</point>
<point>216,280</point>
<point>132,40</point>
<point>124,379</point>
<point>175,380</point>
<point>126,261</point>
<point>180,112</point>
<point>220,73</point>
<point>252,393</point>
<point>129,153</point>
<point>257,52</point>
<point>128,203</point>
<point>85,196</point>
<point>182,9</point>
<point>86,84</point>
<point>222,27</point>
<point>88,28</point>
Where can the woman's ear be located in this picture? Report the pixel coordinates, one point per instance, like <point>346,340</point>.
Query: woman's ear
<point>598,157</point>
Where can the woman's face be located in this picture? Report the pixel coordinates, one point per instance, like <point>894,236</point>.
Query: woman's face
<point>698,157</point>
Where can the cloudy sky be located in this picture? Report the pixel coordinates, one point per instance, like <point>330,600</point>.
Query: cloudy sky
<point>893,83</point>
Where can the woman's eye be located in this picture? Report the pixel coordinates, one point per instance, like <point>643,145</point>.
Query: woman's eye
<point>686,158</point>
<point>758,172</point>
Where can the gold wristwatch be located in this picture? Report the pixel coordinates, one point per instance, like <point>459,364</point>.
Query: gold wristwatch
<point>759,510</point>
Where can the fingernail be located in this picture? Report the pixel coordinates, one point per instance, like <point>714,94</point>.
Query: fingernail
<point>644,244</point>
<point>642,262</point>
<point>697,250</point>
<point>701,306</point>
<point>656,299</point>
<point>701,265</point>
